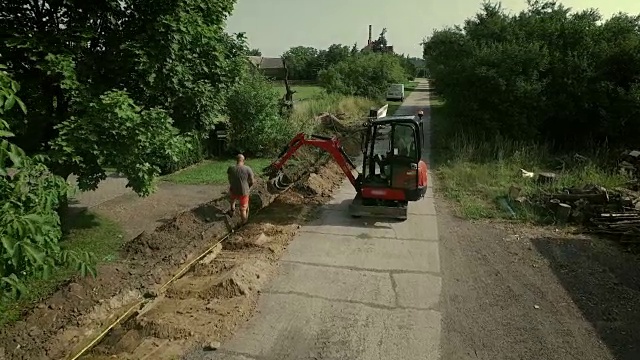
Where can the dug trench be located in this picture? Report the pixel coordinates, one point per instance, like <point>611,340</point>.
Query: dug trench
<point>202,306</point>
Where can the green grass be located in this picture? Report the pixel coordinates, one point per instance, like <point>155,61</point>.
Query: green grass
<point>475,174</point>
<point>84,231</point>
<point>303,92</point>
<point>212,172</point>
<point>408,89</point>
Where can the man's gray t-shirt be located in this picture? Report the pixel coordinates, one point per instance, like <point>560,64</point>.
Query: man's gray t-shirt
<point>240,179</point>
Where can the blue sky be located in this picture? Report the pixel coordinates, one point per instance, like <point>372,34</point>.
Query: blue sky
<point>276,25</point>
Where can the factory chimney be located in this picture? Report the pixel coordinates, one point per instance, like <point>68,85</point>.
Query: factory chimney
<point>369,42</point>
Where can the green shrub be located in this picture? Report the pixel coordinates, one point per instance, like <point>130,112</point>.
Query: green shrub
<point>188,150</point>
<point>366,75</point>
<point>29,223</point>
<point>111,127</point>
<point>255,126</point>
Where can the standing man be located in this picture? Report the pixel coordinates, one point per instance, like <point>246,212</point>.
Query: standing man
<point>241,179</point>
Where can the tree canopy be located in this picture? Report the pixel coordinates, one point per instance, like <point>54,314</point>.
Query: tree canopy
<point>366,75</point>
<point>544,74</point>
<point>102,78</point>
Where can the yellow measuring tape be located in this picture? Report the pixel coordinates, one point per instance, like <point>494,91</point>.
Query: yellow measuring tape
<point>139,304</point>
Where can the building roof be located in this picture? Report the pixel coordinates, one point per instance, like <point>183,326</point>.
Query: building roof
<point>388,49</point>
<point>266,62</point>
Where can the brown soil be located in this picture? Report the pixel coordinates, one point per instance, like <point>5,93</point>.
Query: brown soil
<point>514,292</point>
<point>204,305</point>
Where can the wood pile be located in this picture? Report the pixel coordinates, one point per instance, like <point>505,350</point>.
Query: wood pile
<point>612,212</point>
<point>630,165</point>
<point>606,212</point>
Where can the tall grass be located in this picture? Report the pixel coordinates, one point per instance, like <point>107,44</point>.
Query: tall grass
<point>353,109</point>
<point>475,173</point>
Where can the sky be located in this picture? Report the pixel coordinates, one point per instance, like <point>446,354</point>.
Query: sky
<point>274,26</point>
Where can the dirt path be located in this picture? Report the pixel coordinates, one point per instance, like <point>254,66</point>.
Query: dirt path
<point>136,214</point>
<point>521,293</point>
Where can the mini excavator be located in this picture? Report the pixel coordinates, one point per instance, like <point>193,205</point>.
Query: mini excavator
<point>393,169</point>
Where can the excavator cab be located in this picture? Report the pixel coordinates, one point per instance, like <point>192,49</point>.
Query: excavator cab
<point>393,172</point>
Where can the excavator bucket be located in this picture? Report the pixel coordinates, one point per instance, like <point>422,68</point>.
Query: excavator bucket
<point>277,181</point>
<point>281,182</point>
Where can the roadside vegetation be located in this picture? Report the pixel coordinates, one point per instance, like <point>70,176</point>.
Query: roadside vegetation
<point>134,88</point>
<point>543,90</point>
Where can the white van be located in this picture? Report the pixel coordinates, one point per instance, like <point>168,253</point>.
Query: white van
<point>395,92</point>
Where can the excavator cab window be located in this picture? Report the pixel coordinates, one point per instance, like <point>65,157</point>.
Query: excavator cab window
<point>381,149</point>
<point>404,141</point>
<point>392,148</point>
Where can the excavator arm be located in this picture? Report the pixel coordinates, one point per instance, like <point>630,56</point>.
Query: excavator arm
<point>328,144</point>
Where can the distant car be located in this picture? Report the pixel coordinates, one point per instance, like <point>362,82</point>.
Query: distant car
<point>395,92</point>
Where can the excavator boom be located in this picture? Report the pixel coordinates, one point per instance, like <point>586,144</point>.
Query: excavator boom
<point>328,144</point>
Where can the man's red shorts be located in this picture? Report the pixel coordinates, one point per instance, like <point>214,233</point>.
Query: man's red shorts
<point>243,199</point>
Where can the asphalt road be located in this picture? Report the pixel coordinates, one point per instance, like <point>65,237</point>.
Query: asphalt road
<point>355,289</point>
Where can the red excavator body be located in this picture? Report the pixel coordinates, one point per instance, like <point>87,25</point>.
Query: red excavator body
<point>393,169</point>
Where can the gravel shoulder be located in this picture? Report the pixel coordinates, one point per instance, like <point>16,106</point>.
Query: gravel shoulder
<point>515,292</point>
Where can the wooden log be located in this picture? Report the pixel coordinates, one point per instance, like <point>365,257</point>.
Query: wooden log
<point>621,215</point>
<point>546,178</point>
<point>601,198</point>
<point>577,216</point>
<point>562,213</point>
<point>553,204</point>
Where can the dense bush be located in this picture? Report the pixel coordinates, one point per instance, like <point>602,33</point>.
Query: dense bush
<point>188,150</point>
<point>110,127</point>
<point>255,126</point>
<point>29,223</point>
<point>307,63</point>
<point>409,67</point>
<point>367,75</point>
<point>545,74</point>
<point>302,62</point>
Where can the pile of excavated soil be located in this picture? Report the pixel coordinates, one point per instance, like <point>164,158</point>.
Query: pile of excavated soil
<point>205,304</point>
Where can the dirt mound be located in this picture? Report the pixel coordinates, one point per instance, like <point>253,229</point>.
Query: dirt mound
<point>206,303</point>
<point>242,280</point>
<point>331,123</point>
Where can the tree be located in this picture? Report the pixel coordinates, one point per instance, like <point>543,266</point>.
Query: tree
<point>544,74</point>
<point>133,62</point>
<point>302,62</point>
<point>255,52</point>
<point>335,54</point>
<point>29,222</point>
<point>380,44</point>
<point>255,126</point>
<point>367,75</point>
<point>354,49</point>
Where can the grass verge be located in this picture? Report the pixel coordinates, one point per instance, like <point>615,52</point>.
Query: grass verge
<point>303,92</point>
<point>212,172</point>
<point>85,231</point>
<point>350,108</point>
<point>475,174</point>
